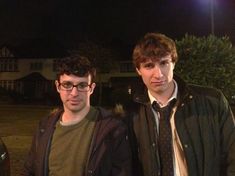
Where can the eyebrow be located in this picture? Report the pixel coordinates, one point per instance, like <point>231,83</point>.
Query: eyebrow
<point>157,60</point>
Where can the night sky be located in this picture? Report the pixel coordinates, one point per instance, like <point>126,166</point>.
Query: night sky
<point>116,23</point>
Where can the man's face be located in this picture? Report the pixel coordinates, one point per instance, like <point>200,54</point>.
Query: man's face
<point>158,75</point>
<point>75,99</point>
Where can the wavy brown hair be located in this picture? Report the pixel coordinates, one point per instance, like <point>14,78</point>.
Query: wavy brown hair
<point>154,46</point>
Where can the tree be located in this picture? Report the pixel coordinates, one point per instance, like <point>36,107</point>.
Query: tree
<point>103,58</point>
<point>207,61</point>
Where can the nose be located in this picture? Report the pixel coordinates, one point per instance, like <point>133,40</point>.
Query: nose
<point>157,71</point>
<point>74,91</point>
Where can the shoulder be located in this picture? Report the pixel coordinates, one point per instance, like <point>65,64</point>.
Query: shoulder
<point>109,124</point>
<point>204,91</point>
<point>198,90</point>
<point>211,96</point>
<point>105,114</point>
<point>52,117</point>
<point>109,118</point>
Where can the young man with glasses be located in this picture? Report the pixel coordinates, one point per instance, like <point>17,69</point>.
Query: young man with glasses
<point>177,129</point>
<point>79,139</point>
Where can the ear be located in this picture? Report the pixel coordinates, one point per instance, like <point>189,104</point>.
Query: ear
<point>173,65</point>
<point>92,87</point>
<point>57,86</point>
<point>138,71</point>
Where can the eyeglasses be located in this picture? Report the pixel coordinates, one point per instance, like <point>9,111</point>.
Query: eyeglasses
<point>81,87</point>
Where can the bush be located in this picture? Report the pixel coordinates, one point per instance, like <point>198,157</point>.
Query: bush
<point>208,61</point>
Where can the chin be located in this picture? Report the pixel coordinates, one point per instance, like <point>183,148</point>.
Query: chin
<point>74,108</point>
<point>160,90</point>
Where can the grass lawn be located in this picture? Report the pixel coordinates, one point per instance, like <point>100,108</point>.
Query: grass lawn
<point>21,120</point>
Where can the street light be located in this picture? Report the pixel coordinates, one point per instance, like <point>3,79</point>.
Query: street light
<point>210,6</point>
<point>212,17</point>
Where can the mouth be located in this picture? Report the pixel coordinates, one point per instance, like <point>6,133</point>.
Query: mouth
<point>74,102</point>
<point>158,83</point>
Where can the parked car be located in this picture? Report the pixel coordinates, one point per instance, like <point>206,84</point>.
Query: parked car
<point>4,160</point>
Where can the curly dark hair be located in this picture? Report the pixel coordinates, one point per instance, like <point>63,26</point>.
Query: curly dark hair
<point>154,46</point>
<point>76,65</point>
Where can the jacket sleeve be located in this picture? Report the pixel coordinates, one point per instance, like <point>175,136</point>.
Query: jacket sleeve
<point>121,153</point>
<point>34,163</point>
<point>227,124</point>
<point>28,168</point>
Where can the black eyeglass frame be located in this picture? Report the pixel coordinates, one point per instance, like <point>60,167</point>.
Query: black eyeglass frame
<point>72,86</point>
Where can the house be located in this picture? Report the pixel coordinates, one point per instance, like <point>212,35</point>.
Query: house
<point>33,77</point>
<point>30,77</point>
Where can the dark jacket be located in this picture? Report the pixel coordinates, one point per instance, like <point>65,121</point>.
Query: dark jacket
<point>204,123</point>
<point>109,151</point>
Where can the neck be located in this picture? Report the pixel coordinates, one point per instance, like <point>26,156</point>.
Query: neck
<point>73,116</point>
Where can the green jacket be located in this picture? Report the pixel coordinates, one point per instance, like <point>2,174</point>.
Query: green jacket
<point>205,125</point>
